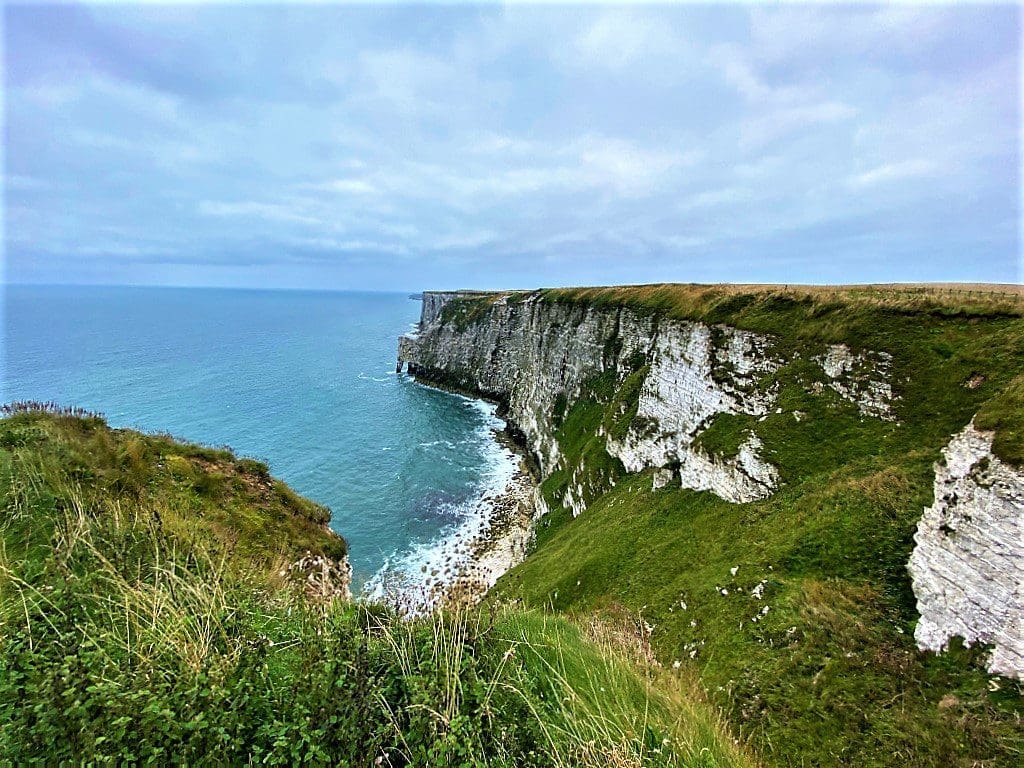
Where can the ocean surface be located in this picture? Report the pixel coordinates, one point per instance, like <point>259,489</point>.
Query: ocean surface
<point>304,381</point>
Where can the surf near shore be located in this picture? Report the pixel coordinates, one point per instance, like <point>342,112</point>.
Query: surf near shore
<point>492,535</point>
<point>502,543</point>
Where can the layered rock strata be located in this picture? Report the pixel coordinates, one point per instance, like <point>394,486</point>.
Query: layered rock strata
<point>968,563</point>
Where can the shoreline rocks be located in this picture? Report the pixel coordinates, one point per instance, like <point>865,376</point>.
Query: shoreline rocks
<point>473,558</point>
<point>500,546</point>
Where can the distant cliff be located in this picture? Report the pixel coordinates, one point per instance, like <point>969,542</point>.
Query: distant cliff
<point>749,393</point>
<point>672,378</point>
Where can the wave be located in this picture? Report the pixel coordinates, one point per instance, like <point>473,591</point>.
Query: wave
<point>417,571</point>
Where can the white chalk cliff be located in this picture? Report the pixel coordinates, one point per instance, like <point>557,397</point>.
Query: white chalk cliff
<point>537,357</point>
<point>680,397</point>
<point>529,354</point>
<point>863,379</point>
<point>968,563</point>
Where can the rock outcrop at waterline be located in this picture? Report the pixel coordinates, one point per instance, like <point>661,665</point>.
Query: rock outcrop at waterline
<point>320,577</point>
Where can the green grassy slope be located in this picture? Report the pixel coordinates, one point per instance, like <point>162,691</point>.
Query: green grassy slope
<point>821,668</point>
<point>144,620</point>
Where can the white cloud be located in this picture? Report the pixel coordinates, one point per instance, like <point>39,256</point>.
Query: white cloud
<point>627,167</point>
<point>346,186</point>
<point>407,80</point>
<point>19,183</point>
<point>498,136</point>
<point>712,198</point>
<point>342,246</point>
<point>735,65</point>
<point>894,172</point>
<point>784,33</point>
<point>257,210</point>
<point>619,38</point>
<point>781,122</point>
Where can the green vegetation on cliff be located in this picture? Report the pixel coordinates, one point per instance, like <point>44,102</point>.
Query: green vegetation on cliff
<point>149,615</point>
<point>796,612</point>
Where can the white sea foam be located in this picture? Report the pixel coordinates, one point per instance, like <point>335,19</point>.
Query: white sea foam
<point>413,574</point>
<point>433,443</point>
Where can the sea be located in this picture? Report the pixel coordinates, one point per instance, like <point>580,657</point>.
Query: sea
<point>302,380</point>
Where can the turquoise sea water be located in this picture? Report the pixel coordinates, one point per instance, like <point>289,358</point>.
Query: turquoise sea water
<point>302,380</point>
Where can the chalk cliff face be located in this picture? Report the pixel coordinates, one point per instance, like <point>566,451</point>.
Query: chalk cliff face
<point>863,379</point>
<point>533,355</point>
<point>433,303</point>
<point>538,357</point>
<point>696,373</point>
<point>967,566</point>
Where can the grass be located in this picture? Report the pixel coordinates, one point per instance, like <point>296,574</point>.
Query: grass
<point>829,675</point>
<point>726,434</point>
<point>145,619</point>
<point>202,494</point>
<point>731,303</point>
<point>1003,414</point>
<point>468,309</point>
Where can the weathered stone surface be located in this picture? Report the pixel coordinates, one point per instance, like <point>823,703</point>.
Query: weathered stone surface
<point>746,477</point>
<point>322,578</point>
<point>692,380</point>
<point>864,379</point>
<point>968,563</point>
<point>433,305</point>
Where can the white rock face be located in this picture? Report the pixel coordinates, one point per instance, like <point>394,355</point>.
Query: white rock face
<point>691,381</point>
<point>747,477</point>
<point>533,355</point>
<point>433,304</point>
<point>863,379</point>
<point>968,563</point>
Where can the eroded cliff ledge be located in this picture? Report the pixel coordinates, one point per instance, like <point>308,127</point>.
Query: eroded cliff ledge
<point>968,565</point>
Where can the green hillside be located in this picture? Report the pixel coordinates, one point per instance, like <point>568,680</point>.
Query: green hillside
<point>796,612</point>
<point>150,615</point>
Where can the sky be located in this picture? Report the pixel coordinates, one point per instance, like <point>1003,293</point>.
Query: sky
<point>509,145</point>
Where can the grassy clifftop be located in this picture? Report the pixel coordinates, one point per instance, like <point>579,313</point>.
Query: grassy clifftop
<point>148,616</point>
<point>205,499</point>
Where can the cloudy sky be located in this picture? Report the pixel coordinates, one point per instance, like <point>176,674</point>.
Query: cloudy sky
<point>510,145</point>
